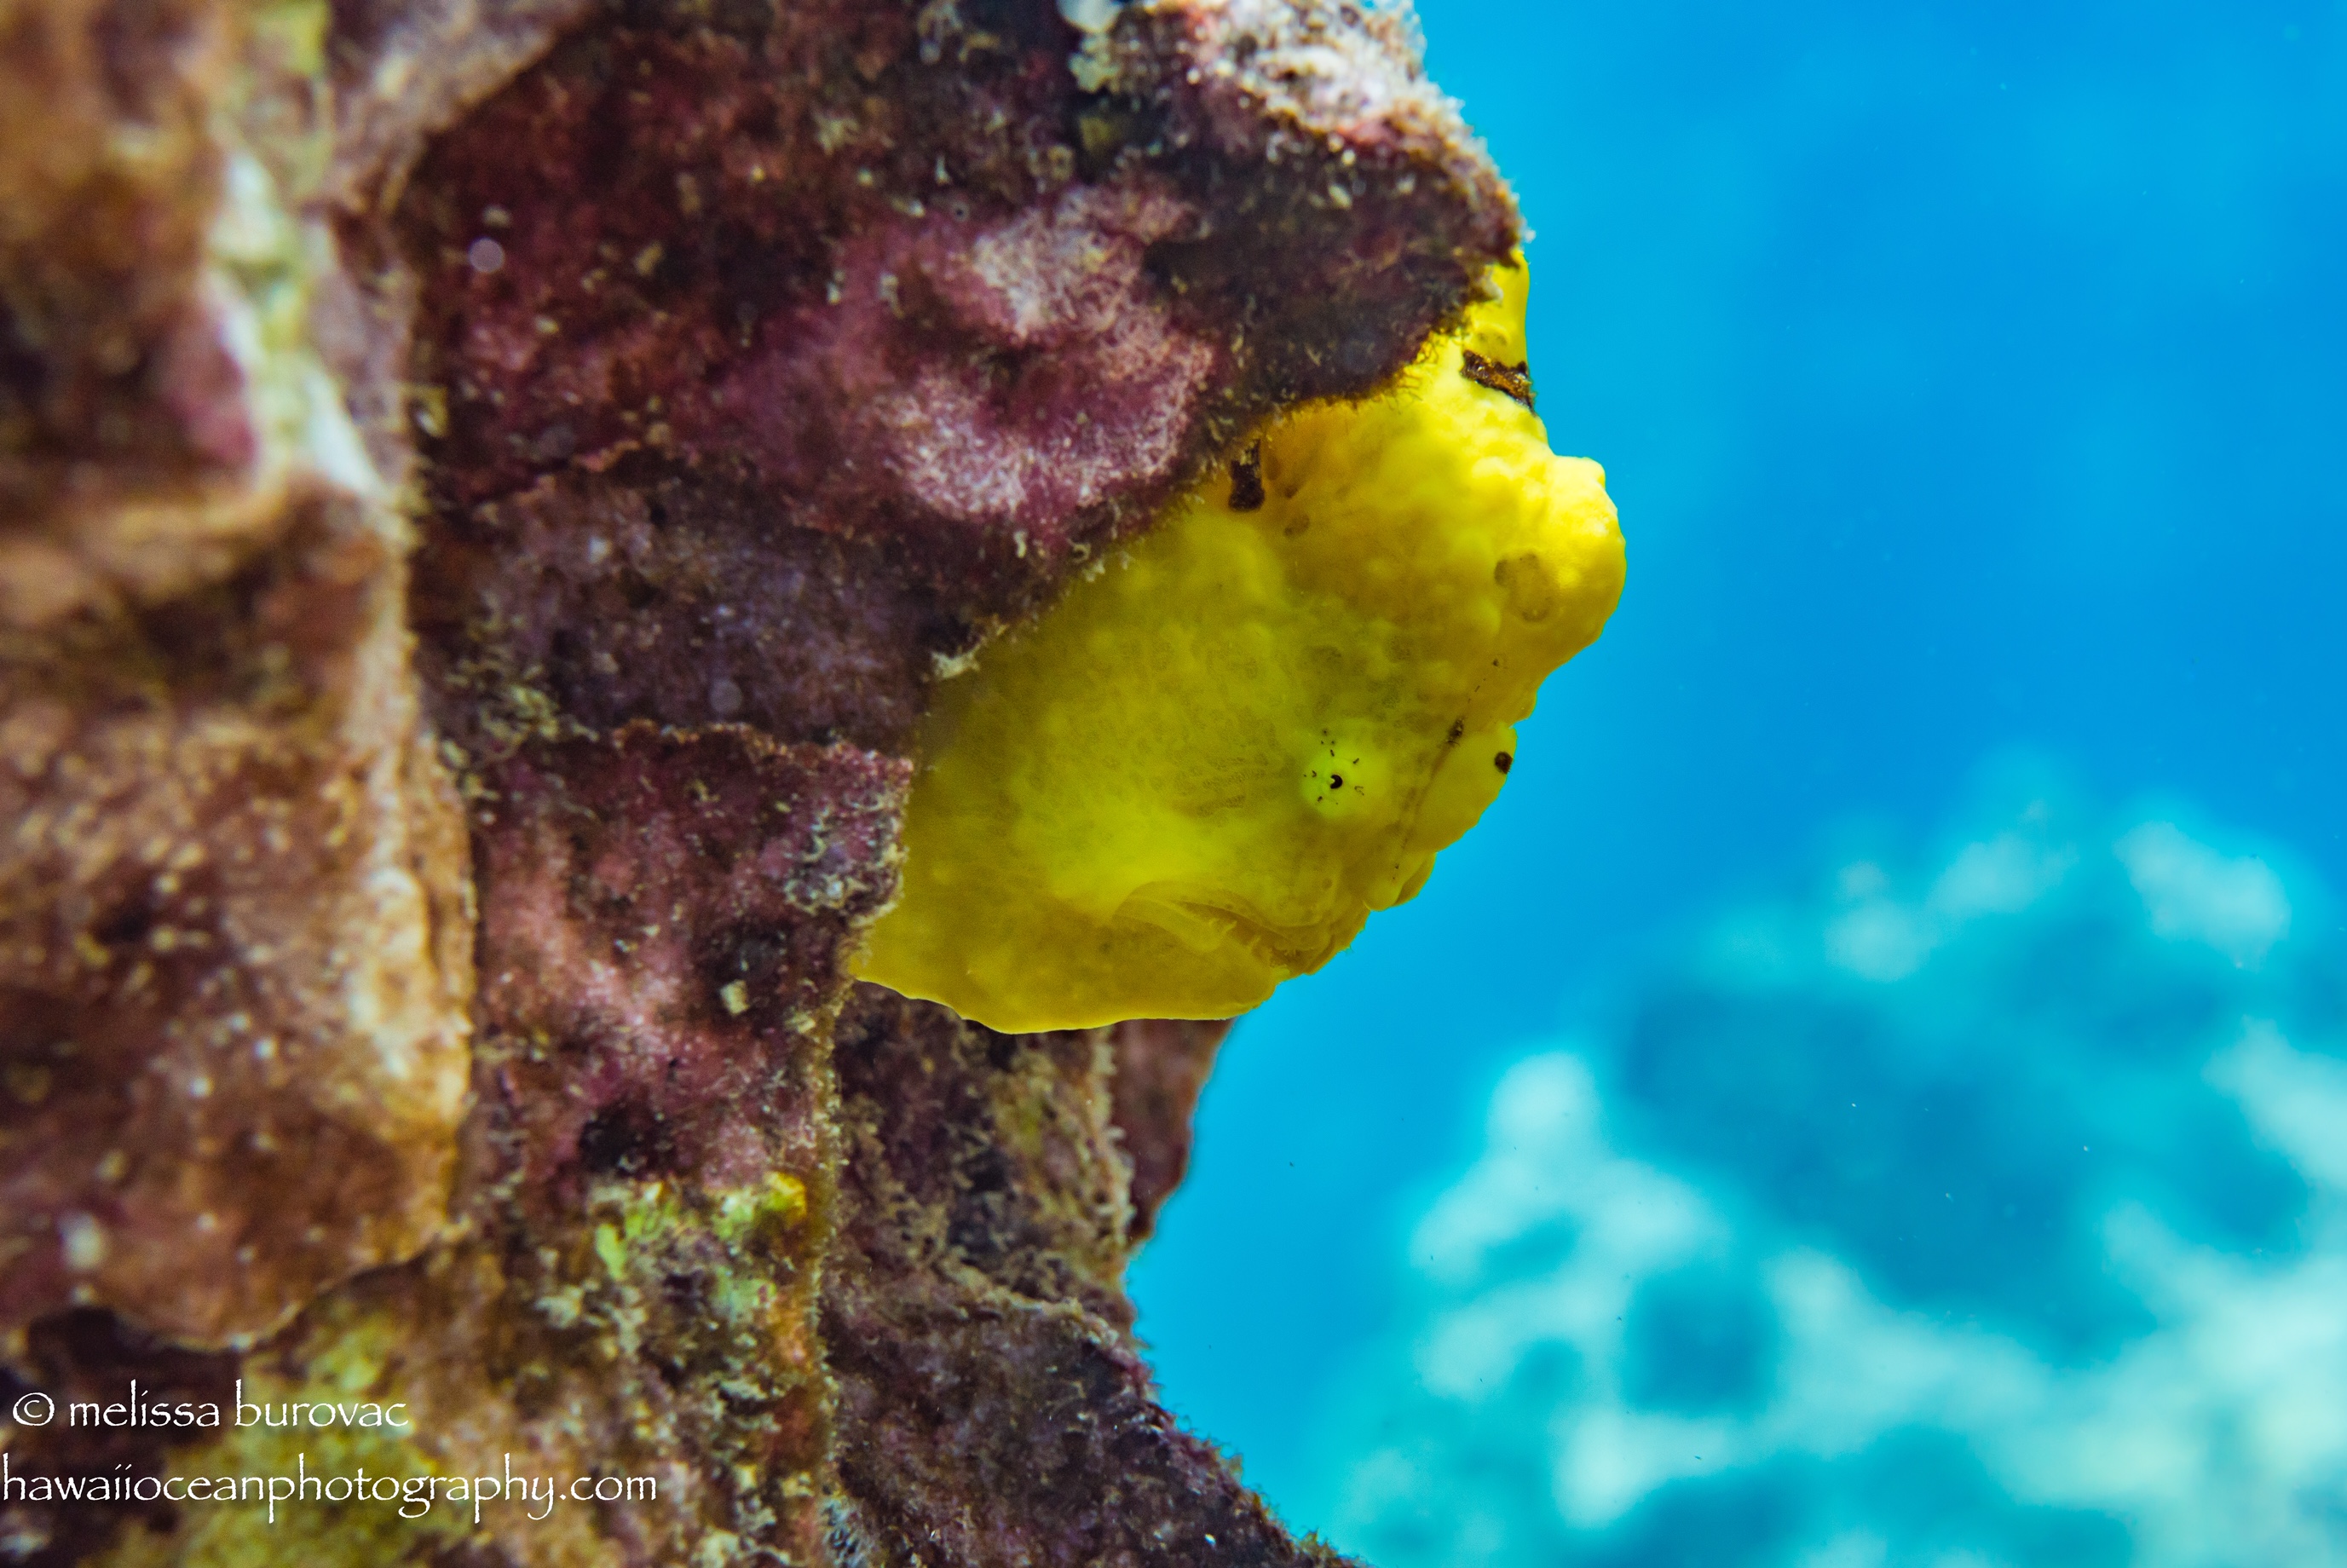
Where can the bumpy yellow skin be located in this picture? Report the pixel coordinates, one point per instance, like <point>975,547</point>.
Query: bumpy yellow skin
<point>1198,773</point>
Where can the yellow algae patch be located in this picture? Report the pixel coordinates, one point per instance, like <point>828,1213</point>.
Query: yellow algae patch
<point>1197,773</point>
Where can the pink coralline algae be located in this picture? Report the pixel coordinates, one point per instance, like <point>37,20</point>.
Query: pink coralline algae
<point>1056,313</point>
<point>485,492</point>
<point>659,911</point>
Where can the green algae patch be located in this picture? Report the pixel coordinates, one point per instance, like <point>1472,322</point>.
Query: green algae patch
<point>1200,773</point>
<point>652,1229</point>
<point>305,1532</point>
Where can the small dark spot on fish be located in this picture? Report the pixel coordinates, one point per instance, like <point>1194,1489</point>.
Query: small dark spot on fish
<point>1514,380</point>
<point>1246,479</point>
<point>1504,762</point>
<point>1458,732</point>
<point>1335,780</point>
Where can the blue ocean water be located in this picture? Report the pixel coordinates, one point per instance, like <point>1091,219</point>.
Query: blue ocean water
<point>1973,382</point>
<point>1974,1201</point>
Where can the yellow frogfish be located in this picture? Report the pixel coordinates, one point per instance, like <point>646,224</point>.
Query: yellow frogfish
<point>1197,773</point>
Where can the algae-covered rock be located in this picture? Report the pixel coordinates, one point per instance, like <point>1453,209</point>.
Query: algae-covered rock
<point>233,968</point>
<point>487,492</point>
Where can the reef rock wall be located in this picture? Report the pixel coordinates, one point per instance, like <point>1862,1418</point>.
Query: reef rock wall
<point>486,489</point>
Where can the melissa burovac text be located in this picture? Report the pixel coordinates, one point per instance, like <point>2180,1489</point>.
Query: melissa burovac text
<point>145,1410</point>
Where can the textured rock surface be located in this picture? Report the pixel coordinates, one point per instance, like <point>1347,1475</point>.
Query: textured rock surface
<point>233,957</point>
<point>485,489</point>
<point>885,278</point>
<point>1161,1066</point>
<point>993,1408</point>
